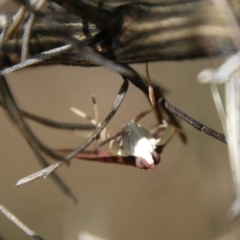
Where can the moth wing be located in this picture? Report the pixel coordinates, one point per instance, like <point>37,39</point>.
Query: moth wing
<point>147,135</point>
<point>141,142</point>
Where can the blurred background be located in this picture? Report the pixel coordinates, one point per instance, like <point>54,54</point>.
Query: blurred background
<point>186,197</point>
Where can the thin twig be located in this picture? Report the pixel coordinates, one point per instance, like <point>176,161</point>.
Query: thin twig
<point>19,224</point>
<point>27,30</point>
<point>12,26</point>
<point>199,126</point>
<point>37,59</point>
<point>4,33</point>
<point>58,181</point>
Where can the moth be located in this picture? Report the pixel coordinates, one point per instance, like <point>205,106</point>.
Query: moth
<point>135,140</point>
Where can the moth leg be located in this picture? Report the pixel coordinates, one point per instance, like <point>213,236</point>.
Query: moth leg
<point>141,115</point>
<point>150,88</point>
<point>116,148</point>
<point>121,133</point>
<point>168,131</point>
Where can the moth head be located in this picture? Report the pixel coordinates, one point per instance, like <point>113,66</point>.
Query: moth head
<point>148,162</point>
